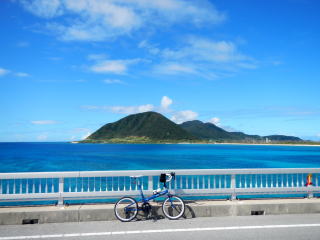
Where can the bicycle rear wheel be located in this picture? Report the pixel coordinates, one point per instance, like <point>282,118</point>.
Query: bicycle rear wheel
<point>126,209</point>
<point>173,207</point>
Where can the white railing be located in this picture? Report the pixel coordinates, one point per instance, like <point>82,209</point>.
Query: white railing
<point>62,186</point>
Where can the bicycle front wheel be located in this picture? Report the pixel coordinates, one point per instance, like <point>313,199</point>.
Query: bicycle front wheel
<point>126,209</point>
<point>173,207</point>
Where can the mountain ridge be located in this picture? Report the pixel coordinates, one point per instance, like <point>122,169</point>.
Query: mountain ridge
<point>150,127</point>
<point>210,131</point>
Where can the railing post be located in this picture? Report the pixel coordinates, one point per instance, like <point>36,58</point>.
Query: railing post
<point>61,187</point>
<point>150,183</point>
<point>233,187</point>
<point>309,185</point>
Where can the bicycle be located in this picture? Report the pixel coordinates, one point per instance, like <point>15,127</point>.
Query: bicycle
<point>126,208</point>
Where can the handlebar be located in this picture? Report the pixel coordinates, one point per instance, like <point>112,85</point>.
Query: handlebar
<point>170,176</point>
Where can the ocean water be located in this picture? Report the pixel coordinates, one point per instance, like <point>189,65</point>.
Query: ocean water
<point>43,157</point>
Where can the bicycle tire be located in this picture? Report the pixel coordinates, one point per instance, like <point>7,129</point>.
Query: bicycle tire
<point>126,209</point>
<point>173,207</point>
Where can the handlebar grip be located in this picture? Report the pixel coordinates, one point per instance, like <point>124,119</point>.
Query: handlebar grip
<point>170,177</point>
<point>173,174</point>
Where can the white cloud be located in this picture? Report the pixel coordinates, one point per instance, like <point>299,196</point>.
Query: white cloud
<point>151,48</point>
<point>183,116</point>
<point>22,74</point>
<point>43,8</point>
<point>164,107</point>
<point>203,57</point>
<point>3,71</point>
<point>44,122</point>
<point>122,109</point>
<point>110,66</point>
<point>92,20</point>
<point>173,11</point>
<point>318,135</point>
<point>97,20</point>
<point>132,109</point>
<point>86,135</point>
<point>165,103</point>
<point>113,66</point>
<point>92,107</point>
<point>113,81</point>
<point>80,133</point>
<point>173,68</point>
<point>215,121</point>
<point>207,50</point>
<point>97,57</point>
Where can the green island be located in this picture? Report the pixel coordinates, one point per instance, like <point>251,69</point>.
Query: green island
<point>152,127</point>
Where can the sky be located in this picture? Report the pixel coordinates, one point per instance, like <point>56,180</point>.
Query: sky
<point>67,67</point>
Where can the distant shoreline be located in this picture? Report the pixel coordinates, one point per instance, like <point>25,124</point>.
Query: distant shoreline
<point>211,143</point>
<point>273,144</point>
<point>261,144</point>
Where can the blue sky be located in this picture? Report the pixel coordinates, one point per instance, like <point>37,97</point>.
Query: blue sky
<point>68,67</point>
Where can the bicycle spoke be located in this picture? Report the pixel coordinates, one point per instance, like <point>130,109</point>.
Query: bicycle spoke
<point>126,209</point>
<point>173,207</point>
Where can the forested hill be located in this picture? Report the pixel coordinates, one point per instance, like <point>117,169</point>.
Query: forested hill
<point>148,126</point>
<point>153,127</point>
<point>209,131</point>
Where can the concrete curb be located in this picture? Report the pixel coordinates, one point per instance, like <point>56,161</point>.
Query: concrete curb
<point>104,212</point>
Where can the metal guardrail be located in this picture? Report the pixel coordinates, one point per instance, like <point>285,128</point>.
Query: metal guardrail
<point>60,186</point>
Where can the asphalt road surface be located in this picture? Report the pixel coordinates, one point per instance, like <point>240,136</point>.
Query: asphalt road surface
<point>293,227</point>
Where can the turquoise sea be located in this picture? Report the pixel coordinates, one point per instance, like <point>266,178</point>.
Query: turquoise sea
<point>40,157</point>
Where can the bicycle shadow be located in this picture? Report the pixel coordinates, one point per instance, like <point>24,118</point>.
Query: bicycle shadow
<point>156,213</point>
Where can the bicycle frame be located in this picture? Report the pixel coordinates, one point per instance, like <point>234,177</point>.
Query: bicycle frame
<point>169,203</point>
<point>146,200</point>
